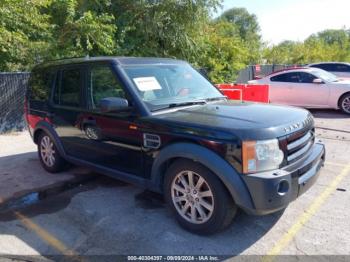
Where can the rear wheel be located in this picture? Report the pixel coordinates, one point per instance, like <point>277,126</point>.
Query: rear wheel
<point>197,197</point>
<point>49,156</point>
<point>344,103</point>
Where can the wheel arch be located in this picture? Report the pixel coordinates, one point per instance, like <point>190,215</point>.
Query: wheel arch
<point>44,127</point>
<point>225,172</point>
<point>341,97</point>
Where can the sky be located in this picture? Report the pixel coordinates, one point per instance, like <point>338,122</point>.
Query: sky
<point>281,20</point>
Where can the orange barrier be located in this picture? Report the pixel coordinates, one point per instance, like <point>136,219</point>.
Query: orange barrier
<point>255,93</point>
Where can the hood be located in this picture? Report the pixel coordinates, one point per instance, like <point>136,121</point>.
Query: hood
<point>243,120</point>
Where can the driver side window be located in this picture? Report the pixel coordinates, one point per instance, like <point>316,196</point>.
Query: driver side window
<point>103,84</point>
<point>306,78</point>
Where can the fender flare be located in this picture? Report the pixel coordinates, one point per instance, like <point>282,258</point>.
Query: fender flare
<point>226,173</point>
<point>50,131</point>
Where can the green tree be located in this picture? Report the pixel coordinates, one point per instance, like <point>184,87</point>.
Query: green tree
<point>25,33</point>
<point>248,29</point>
<point>327,45</point>
<point>80,28</point>
<point>223,53</point>
<point>166,28</point>
<point>246,23</point>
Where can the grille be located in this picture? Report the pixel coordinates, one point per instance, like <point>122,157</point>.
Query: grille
<point>151,141</point>
<point>299,144</point>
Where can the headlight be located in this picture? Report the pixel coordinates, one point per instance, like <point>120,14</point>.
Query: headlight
<point>261,156</point>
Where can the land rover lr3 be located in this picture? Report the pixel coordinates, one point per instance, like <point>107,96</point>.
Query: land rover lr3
<point>160,124</point>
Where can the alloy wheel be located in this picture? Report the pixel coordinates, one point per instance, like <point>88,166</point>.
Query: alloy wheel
<point>47,151</point>
<point>346,104</point>
<point>192,197</point>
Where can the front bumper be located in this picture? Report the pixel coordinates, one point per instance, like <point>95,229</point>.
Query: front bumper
<point>274,190</point>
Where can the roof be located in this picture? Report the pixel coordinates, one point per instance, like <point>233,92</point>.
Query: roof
<point>287,69</point>
<point>116,59</point>
<point>322,63</point>
<point>295,69</point>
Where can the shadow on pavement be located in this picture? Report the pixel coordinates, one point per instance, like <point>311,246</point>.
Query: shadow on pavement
<point>111,217</point>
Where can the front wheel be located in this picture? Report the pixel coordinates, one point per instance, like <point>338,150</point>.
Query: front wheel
<point>344,103</point>
<point>197,197</point>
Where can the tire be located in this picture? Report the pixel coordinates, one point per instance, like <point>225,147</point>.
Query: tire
<point>344,103</point>
<point>217,204</point>
<point>50,158</point>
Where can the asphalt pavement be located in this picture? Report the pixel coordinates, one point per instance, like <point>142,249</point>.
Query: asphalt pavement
<point>101,216</point>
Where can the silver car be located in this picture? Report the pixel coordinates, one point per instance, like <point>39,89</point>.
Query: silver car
<point>308,87</point>
<point>340,69</point>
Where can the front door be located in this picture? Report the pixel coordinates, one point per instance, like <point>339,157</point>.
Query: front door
<point>112,139</point>
<point>306,93</point>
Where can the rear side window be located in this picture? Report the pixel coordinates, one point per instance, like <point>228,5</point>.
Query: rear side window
<point>68,89</point>
<point>40,84</point>
<point>306,78</point>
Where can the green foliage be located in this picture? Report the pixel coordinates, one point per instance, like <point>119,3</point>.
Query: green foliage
<point>165,28</point>
<point>24,33</point>
<point>80,32</point>
<point>37,30</point>
<point>328,45</point>
<point>223,52</point>
<point>248,29</point>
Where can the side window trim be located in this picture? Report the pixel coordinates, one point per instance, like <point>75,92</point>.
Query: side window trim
<point>56,87</point>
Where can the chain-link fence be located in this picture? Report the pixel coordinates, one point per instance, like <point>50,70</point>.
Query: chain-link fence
<point>13,87</point>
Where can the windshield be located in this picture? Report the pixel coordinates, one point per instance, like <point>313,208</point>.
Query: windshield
<point>163,86</point>
<point>324,75</point>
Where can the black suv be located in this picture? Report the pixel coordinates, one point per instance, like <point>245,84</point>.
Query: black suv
<point>160,124</point>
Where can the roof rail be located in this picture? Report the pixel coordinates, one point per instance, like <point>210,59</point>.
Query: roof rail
<point>72,57</point>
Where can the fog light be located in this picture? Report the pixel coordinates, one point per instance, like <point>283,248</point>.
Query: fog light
<point>283,187</point>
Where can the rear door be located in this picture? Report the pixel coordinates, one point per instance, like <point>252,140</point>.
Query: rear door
<point>67,107</point>
<point>281,87</point>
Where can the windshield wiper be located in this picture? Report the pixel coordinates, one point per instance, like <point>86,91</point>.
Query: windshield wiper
<point>216,98</point>
<point>189,103</point>
<point>172,105</point>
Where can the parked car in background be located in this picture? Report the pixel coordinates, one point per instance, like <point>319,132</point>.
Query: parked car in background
<point>340,69</point>
<point>160,124</point>
<point>308,87</point>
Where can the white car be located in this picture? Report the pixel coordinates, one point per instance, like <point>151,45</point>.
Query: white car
<point>340,69</point>
<point>308,87</point>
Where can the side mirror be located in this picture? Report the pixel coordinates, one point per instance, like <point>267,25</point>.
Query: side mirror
<point>318,81</point>
<point>111,104</point>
